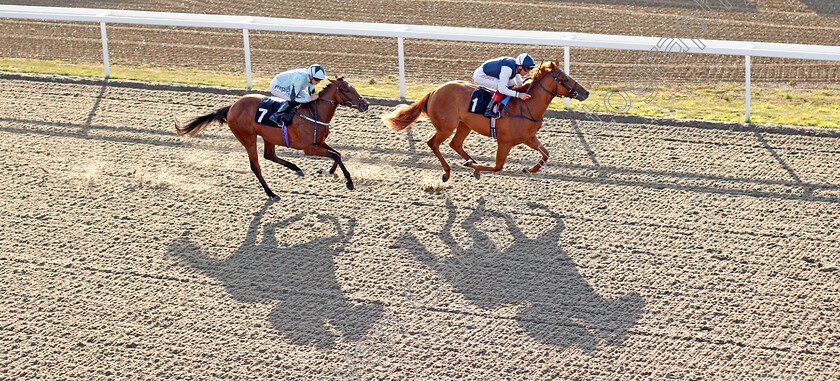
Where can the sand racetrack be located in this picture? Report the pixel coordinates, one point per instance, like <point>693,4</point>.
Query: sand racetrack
<point>646,249</point>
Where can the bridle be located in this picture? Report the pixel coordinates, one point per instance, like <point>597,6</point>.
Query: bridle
<point>344,99</point>
<point>572,92</point>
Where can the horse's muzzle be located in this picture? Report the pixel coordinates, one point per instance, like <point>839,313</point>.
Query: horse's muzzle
<point>363,106</point>
<point>582,95</point>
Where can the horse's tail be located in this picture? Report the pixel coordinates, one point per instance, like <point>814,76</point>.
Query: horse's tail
<point>200,123</point>
<point>405,115</point>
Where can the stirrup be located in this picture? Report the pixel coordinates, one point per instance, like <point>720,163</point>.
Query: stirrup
<point>494,114</point>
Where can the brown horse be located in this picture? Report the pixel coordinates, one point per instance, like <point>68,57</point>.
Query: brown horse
<point>447,105</point>
<point>304,133</point>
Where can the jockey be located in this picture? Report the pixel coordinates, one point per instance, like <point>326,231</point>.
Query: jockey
<point>296,87</point>
<point>500,74</point>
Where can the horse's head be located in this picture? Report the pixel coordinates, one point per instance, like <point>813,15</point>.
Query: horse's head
<point>558,83</point>
<point>347,95</point>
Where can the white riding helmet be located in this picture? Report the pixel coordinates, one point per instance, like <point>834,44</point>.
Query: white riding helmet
<point>317,72</point>
<point>525,61</point>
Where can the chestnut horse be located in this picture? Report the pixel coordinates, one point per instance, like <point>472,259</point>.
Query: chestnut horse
<point>447,105</point>
<point>303,131</point>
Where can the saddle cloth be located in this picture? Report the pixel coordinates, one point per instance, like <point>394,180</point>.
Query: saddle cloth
<point>479,99</point>
<point>267,107</point>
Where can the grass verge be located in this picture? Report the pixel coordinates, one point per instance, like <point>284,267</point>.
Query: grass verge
<point>723,103</point>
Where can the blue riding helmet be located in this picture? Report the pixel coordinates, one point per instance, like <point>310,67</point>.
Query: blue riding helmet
<point>525,61</point>
<point>317,72</point>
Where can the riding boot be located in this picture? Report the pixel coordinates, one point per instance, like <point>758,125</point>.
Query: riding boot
<point>492,109</point>
<point>276,116</point>
<point>499,108</point>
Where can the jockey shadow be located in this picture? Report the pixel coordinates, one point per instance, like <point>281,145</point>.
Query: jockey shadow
<point>301,278</point>
<point>556,304</point>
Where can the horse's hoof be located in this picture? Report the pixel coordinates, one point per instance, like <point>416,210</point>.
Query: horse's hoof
<point>469,162</point>
<point>274,197</point>
<point>299,173</point>
<point>444,177</point>
<point>350,186</point>
<point>476,174</point>
<point>524,170</point>
<point>322,171</point>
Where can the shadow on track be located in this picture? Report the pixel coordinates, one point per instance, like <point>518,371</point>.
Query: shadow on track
<point>558,306</point>
<point>301,278</point>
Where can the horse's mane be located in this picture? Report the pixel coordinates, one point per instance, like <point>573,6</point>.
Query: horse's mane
<point>325,88</point>
<point>339,79</point>
<point>541,72</point>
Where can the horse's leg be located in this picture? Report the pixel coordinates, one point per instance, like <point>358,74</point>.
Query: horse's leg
<point>502,151</point>
<point>457,143</point>
<point>335,163</point>
<point>248,138</point>
<point>255,166</point>
<point>270,154</point>
<point>320,150</point>
<point>434,144</point>
<point>535,144</point>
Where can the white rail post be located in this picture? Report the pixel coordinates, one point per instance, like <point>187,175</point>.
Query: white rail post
<point>105,60</point>
<point>566,68</point>
<point>748,90</point>
<point>401,53</point>
<point>247,44</point>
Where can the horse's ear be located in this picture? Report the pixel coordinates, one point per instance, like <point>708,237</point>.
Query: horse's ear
<point>339,79</point>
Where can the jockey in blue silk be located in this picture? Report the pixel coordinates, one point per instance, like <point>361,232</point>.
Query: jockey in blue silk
<point>296,87</point>
<point>501,74</point>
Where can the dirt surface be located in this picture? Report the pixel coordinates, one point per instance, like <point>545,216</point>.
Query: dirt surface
<point>790,21</point>
<point>670,249</point>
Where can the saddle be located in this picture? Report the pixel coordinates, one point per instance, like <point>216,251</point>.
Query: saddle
<point>480,98</point>
<point>268,106</point>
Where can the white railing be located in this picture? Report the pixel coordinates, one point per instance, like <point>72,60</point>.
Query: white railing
<point>403,31</point>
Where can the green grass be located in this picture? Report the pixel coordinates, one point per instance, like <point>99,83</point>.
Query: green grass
<point>387,87</point>
<point>726,102</point>
<point>722,103</point>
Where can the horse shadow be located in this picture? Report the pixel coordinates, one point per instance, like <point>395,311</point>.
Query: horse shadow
<point>311,309</point>
<point>556,304</point>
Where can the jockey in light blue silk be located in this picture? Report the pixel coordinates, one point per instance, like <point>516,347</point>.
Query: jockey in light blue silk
<point>501,74</point>
<point>296,87</point>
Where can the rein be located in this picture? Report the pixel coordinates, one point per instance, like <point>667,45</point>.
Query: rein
<point>572,94</point>
<point>348,101</point>
<point>345,101</point>
<point>572,91</point>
